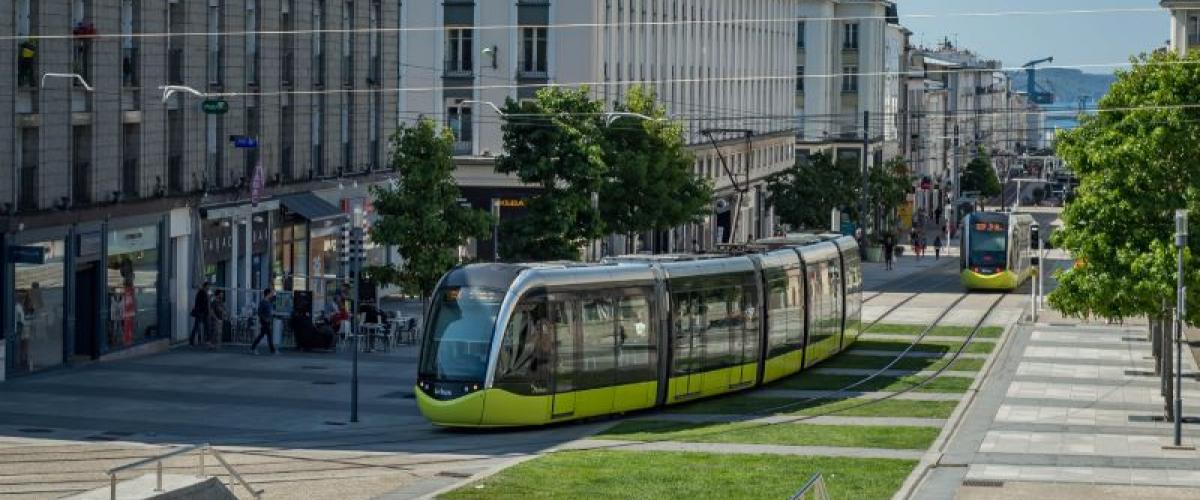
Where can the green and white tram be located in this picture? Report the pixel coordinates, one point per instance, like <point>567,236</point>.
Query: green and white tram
<point>533,344</point>
<point>996,251</point>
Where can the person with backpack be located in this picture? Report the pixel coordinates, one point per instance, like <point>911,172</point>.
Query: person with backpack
<point>266,313</point>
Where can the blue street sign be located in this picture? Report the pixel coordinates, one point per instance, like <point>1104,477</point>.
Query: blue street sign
<point>26,255</point>
<point>243,141</point>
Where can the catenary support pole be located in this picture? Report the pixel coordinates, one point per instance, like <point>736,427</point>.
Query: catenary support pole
<point>866,153</point>
<point>1181,235</point>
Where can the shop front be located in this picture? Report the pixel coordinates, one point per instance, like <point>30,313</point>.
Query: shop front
<point>94,290</point>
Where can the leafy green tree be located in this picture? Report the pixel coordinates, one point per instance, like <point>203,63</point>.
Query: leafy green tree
<point>420,214</point>
<point>1137,162</point>
<point>886,190</point>
<point>650,183</point>
<point>805,194</point>
<point>981,176</point>
<point>556,143</point>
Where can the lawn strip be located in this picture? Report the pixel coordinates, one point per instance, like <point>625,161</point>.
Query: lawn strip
<point>850,360</point>
<point>787,434</point>
<point>605,475</point>
<point>847,407</point>
<point>937,331</point>
<point>814,381</point>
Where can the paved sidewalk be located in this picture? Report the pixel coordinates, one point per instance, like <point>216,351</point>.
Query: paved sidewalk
<point>1066,405</point>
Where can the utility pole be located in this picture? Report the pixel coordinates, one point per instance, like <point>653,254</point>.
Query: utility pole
<point>862,203</point>
<point>1181,237</point>
<point>355,271</point>
<point>956,180</point>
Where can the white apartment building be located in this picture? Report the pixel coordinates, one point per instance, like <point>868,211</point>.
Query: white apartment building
<point>1185,24</point>
<point>714,64</point>
<point>849,56</point>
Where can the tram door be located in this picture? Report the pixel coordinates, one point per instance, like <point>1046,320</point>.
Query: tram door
<point>566,356</point>
<point>688,355</point>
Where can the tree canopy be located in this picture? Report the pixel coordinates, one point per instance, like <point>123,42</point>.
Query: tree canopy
<point>1137,161</point>
<point>806,193</point>
<point>555,142</point>
<point>650,183</point>
<point>598,173</point>
<point>420,213</point>
<point>980,176</point>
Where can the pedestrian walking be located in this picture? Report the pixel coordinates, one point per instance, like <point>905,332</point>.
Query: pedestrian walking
<point>920,246</point>
<point>200,316</point>
<point>889,252</point>
<point>218,314</point>
<point>937,247</point>
<point>266,312</point>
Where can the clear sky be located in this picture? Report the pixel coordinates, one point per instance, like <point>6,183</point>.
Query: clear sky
<point>1092,38</point>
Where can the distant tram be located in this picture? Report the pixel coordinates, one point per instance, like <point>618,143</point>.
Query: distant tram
<point>533,344</point>
<point>996,251</point>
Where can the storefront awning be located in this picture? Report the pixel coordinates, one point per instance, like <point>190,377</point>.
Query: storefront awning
<point>310,206</point>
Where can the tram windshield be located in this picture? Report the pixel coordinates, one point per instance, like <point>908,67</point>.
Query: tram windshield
<point>458,345</point>
<point>989,244</point>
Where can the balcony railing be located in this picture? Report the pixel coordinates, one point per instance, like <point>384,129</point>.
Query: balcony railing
<point>459,68</point>
<point>531,71</point>
<point>462,148</point>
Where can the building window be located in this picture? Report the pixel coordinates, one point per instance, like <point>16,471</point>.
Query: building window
<point>459,52</point>
<point>375,75</point>
<point>27,48</point>
<point>849,78</point>
<point>374,111</point>
<point>458,120</point>
<point>253,121</point>
<point>318,42</point>
<point>130,24</point>
<point>130,152</point>
<point>83,29</point>
<point>347,123</point>
<point>29,169</point>
<point>215,132</point>
<point>348,44</point>
<point>800,34</point>
<point>1193,30</point>
<point>287,45</point>
<point>799,78</point>
<point>175,143</point>
<point>318,133</point>
<point>533,51</point>
<point>252,24</point>
<point>81,154</point>
<point>175,24</point>
<point>215,72</point>
<point>287,135</point>
<point>850,36</point>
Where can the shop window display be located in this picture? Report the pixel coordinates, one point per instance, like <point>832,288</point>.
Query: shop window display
<point>132,284</point>
<point>38,310</point>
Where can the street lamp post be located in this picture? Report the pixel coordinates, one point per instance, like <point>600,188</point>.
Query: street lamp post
<point>356,247</point>
<point>1181,236</point>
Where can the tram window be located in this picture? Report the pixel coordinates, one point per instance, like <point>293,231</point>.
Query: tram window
<point>750,313</point>
<point>598,326</point>
<point>718,319</point>
<point>795,309</point>
<point>777,316</point>
<point>523,366</point>
<point>684,308</point>
<point>636,344</point>
<point>566,348</point>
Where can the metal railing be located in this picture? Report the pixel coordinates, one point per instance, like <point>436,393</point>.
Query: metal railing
<point>814,489</point>
<point>204,449</point>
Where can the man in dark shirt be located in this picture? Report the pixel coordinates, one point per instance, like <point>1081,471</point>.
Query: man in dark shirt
<point>200,315</point>
<point>266,312</point>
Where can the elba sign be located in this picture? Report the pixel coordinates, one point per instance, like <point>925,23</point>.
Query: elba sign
<point>243,141</point>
